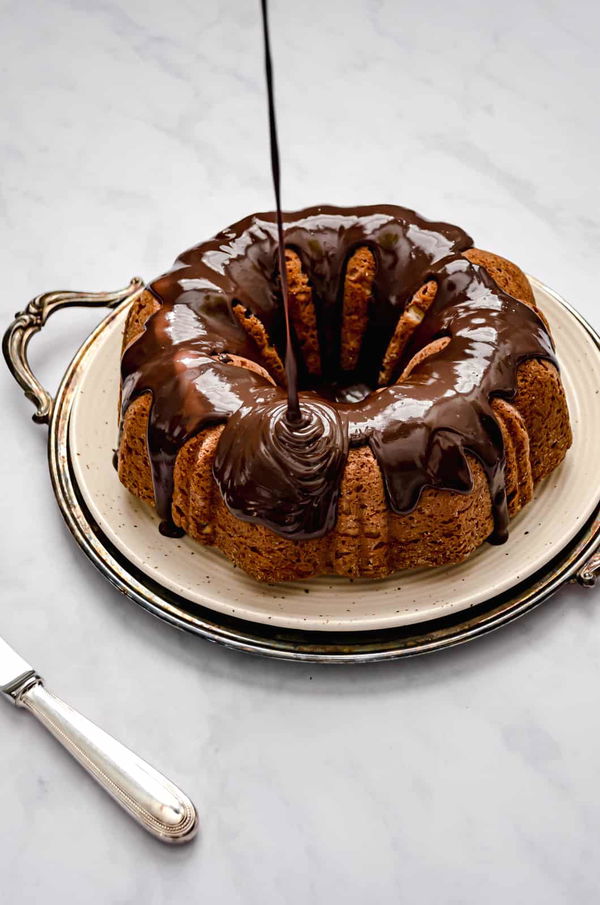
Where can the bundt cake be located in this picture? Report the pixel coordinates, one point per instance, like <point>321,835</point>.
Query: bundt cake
<point>430,399</point>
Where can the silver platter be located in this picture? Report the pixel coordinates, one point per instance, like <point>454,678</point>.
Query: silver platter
<point>578,561</point>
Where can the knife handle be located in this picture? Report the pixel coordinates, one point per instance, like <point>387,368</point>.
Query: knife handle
<point>150,798</point>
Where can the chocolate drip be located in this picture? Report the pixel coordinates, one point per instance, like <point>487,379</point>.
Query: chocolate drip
<point>420,429</point>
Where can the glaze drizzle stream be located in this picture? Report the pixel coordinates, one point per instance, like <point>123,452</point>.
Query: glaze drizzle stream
<point>419,429</point>
<point>291,367</point>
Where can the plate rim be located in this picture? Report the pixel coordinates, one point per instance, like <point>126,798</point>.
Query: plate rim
<point>297,644</point>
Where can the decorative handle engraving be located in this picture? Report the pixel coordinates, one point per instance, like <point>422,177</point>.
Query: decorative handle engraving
<point>148,796</point>
<point>32,319</point>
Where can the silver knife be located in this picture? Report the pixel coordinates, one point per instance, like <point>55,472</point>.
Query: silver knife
<point>142,791</point>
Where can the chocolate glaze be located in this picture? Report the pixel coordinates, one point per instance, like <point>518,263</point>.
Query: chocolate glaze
<point>418,429</point>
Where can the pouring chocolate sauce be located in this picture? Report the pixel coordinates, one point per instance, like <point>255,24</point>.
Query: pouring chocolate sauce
<point>282,452</point>
<point>291,366</point>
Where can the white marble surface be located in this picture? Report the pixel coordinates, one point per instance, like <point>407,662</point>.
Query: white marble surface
<point>130,130</point>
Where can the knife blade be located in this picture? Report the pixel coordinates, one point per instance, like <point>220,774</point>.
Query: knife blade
<point>148,796</point>
<point>14,670</point>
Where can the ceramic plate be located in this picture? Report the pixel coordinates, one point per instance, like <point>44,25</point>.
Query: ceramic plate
<point>562,505</point>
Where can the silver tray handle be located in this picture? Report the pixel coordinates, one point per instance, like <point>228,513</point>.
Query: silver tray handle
<point>589,573</point>
<point>32,319</point>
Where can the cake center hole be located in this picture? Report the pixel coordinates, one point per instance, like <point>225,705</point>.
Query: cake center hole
<point>345,388</point>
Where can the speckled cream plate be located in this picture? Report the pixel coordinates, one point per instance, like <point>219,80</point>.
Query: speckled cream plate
<point>562,505</point>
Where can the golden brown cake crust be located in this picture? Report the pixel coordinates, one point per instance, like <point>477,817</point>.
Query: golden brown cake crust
<point>506,274</point>
<point>141,309</point>
<point>369,539</point>
<point>408,321</point>
<point>358,283</point>
<point>267,352</point>
<point>302,312</point>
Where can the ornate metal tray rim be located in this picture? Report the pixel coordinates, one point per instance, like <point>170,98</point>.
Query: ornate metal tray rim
<point>579,561</point>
